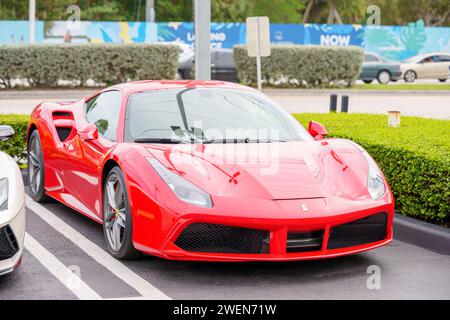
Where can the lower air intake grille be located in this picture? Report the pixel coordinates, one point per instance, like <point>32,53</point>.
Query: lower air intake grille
<point>204,237</point>
<point>8,243</point>
<point>304,241</point>
<point>363,231</point>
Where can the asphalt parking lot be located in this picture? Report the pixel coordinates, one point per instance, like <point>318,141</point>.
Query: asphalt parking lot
<point>65,258</point>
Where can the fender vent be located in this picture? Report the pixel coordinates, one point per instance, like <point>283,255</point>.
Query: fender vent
<point>63,133</point>
<point>205,237</point>
<point>62,114</point>
<point>359,232</point>
<point>8,243</point>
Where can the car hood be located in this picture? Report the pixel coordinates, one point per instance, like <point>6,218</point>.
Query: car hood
<point>290,170</point>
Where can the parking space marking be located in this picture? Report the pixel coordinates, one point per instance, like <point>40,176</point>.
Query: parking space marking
<point>69,279</point>
<point>147,290</point>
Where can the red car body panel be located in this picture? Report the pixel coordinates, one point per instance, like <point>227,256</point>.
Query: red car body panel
<point>327,177</point>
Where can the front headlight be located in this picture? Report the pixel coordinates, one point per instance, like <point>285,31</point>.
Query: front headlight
<point>3,194</point>
<point>184,190</point>
<point>375,181</point>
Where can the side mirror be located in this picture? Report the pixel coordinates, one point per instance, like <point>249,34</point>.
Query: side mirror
<point>88,133</point>
<point>317,130</point>
<point>6,132</point>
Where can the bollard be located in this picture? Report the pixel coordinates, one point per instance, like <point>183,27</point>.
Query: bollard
<point>333,103</point>
<point>344,104</point>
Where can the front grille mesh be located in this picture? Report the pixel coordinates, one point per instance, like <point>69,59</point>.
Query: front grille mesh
<point>8,243</point>
<point>363,231</point>
<point>215,238</point>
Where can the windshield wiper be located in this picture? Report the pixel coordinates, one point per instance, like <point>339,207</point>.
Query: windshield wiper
<point>159,140</point>
<point>242,140</point>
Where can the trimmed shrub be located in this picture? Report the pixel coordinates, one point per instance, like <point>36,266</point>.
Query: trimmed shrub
<point>15,146</point>
<point>46,65</point>
<point>302,66</point>
<point>415,158</point>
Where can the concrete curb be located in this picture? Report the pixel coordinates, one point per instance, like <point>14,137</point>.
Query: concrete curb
<point>426,235</point>
<point>327,92</point>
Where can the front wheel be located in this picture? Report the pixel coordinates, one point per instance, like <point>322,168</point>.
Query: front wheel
<point>367,81</point>
<point>117,223</point>
<point>410,76</point>
<point>36,173</point>
<point>442,80</point>
<point>384,77</point>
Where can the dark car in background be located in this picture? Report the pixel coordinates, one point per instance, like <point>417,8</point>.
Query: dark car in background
<point>222,65</point>
<point>375,67</point>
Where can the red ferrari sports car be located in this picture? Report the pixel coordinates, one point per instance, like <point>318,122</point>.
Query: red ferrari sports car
<point>207,170</point>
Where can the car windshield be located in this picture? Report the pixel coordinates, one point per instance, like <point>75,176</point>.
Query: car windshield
<point>208,115</point>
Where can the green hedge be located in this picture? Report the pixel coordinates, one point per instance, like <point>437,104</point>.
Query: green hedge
<point>45,65</point>
<point>16,145</point>
<point>302,66</point>
<point>415,158</point>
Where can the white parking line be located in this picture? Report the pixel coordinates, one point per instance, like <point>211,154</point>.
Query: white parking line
<point>101,256</point>
<point>68,278</point>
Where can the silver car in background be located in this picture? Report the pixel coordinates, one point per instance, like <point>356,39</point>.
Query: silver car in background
<point>427,66</point>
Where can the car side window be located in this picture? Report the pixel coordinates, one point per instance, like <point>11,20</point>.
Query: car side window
<point>436,58</point>
<point>443,58</point>
<point>369,58</point>
<point>427,60</point>
<point>104,111</point>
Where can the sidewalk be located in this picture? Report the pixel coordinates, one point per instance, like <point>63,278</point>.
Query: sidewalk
<point>431,104</point>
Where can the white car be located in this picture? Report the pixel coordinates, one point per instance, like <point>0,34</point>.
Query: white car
<point>12,209</point>
<point>426,66</point>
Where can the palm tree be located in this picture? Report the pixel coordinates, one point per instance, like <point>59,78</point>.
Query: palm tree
<point>316,9</point>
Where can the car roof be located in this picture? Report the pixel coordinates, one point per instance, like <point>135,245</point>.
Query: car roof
<point>148,85</point>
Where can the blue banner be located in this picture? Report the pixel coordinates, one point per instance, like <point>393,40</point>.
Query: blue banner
<point>223,35</point>
<point>392,42</point>
<point>19,32</point>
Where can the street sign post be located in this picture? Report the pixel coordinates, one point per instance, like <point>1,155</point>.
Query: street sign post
<point>32,20</point>
<point>258,42</point>
<point>202,17</point>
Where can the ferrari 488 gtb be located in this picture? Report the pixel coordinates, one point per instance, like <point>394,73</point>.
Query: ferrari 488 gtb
<point>207,170</point>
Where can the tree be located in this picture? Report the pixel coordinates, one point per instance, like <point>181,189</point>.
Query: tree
<point>278,11</point>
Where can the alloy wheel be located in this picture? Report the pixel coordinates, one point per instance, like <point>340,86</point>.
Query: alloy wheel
<point>115,212</point>
<point>35,165</point>
<point>410,76</point>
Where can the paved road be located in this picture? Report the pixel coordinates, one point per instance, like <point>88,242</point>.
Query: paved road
<point>60,240</point>
<point>432,104</point>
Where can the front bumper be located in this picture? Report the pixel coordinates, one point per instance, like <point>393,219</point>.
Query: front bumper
<point>280,236</point>
<point>17,227</point>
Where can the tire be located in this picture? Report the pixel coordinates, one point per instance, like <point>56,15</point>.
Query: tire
<point>442,80</point>
<point>118,225</point>
<point>368,81</point>
<point>410,76</point>
<point>36,167</point>
<point>384,77</point>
